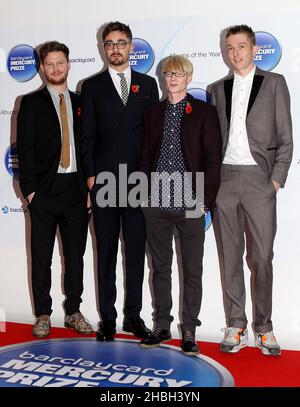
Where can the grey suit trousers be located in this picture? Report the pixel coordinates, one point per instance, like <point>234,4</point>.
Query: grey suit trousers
<point>246,201</point>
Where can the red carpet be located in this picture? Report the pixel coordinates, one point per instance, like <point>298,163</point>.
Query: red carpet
<point>249,368</point>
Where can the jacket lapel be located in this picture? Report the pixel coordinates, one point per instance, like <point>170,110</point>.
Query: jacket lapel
<point>75,109</point>
<point>112,92</point>
<point>257,82</point>
<point>228,85</point>
<point>52,109</point>
<point>186,116</point>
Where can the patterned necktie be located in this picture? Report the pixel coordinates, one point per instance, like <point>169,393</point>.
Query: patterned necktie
<point>65,145</point>
<point>124,88</point>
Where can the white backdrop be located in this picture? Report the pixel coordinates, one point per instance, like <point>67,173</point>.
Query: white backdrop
<point>176,27</point>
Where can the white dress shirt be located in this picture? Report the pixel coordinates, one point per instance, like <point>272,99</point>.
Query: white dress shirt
<point>238,150</point>
<point>56,101</point>
<point>116,79</point>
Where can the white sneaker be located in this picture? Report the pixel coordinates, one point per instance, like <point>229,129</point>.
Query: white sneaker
<point>234,339</point>
<point>267,343</point>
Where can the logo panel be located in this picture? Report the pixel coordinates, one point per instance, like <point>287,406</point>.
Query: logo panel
<point>23,63</point>
<point>269,52</point>
<point>122,363</point>
<point>142,58</point>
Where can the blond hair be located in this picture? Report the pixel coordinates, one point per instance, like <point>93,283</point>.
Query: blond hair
<point>178,63</point>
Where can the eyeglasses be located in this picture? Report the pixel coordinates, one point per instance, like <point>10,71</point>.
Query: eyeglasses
<point>121,44</point>
<point>176,74</point>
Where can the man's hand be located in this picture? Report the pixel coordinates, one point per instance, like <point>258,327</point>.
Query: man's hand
<point>29,198</point>
<point>90,182</point>
<point>89,204</point>
<point>276,185</point>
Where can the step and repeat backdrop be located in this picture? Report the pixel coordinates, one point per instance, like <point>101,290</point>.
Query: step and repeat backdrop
<point>199,37</point>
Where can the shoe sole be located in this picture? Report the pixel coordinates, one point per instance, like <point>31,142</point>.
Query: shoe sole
<point>265,351</point>
<point>78,331</point>
<point>142,345</point>
<point>191,353</point>
<point>134,334</point>
<point>235,349</point>
<point>40,336</point>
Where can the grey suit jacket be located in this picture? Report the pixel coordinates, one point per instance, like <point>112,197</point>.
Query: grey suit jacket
<point>268,122</point>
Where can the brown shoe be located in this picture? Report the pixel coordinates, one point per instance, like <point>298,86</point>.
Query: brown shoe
<point>79,323</point>
<point>42,326</point>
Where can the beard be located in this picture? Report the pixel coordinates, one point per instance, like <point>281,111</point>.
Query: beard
<point>54,81</point>
<point>117,61</point>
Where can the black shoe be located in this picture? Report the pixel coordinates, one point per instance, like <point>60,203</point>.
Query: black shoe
<point>189,346</point>
<point>137,327</point>
<point>106,331</point>
<point>156,338</point>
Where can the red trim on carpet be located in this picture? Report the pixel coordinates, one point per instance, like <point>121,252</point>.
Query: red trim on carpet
<point>249,367</point>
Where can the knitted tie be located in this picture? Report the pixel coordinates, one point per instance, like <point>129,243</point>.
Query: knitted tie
<point>65,145</point>
<point>124,88</point>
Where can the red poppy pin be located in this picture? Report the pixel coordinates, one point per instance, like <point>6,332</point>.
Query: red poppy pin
<point>79,111</point>
<point>135,88</point>
<point>188,108</point>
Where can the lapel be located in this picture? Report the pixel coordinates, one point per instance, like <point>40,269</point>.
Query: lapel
<point>257,82</point>
<point>161,119</point>
<point>186,117</point>
<point>75,110</point>
<point>256,85</point>
<point>112,94</point>
<point>76,113</point>
<point>52,109</point>
<point>228,85</point>
<point>134,81</point>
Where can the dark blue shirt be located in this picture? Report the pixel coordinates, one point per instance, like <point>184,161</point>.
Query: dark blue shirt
<point>171,161</point>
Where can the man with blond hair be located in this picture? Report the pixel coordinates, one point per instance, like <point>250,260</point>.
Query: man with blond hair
<point>181,136</point>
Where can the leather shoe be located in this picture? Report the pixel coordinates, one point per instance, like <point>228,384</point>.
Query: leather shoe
<point>189,346</point>
<point>156,338</point>
<point>106,331</point>
<point>137,327</point>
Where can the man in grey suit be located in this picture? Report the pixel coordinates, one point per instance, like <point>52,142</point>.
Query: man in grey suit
<point>254,112</point>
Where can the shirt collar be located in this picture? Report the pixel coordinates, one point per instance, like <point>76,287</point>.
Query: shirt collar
<point>248,78</point>
<point>178,104</point>
<point>114,74</point>
<point>55,93</point>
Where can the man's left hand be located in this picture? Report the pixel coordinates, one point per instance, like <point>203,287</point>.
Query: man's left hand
<point>276,185</point>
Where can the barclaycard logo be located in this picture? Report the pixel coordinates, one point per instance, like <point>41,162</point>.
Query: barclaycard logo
<point>122,363</point>
<point>269,51</point>
<point>200,94</point>
<point>142,57</point>
<point>12,161</point>
<point>5,209</point>
<point>23,63</point>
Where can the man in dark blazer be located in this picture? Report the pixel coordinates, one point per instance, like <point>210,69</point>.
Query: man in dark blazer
<point>52,184</point>
<point>254,112</point>
<point>113,105</point>
<point>181,136</point>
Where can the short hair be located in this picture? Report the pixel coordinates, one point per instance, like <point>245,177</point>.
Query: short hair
<point>116,26</point>
<point>178,63</point>
<point>242,29</point>
<point>52,46</point>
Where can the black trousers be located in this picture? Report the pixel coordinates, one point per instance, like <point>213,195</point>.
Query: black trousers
<point>65,207</point>
<point>159,230</point>
<point>107,224</point>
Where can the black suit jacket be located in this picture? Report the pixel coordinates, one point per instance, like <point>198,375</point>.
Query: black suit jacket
<point>200,142</point>
<point>39,142</point>
<point>111,133</point>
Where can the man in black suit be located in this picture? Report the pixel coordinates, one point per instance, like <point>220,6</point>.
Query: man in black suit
<point>113,106</point>
<point>51,182</point>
